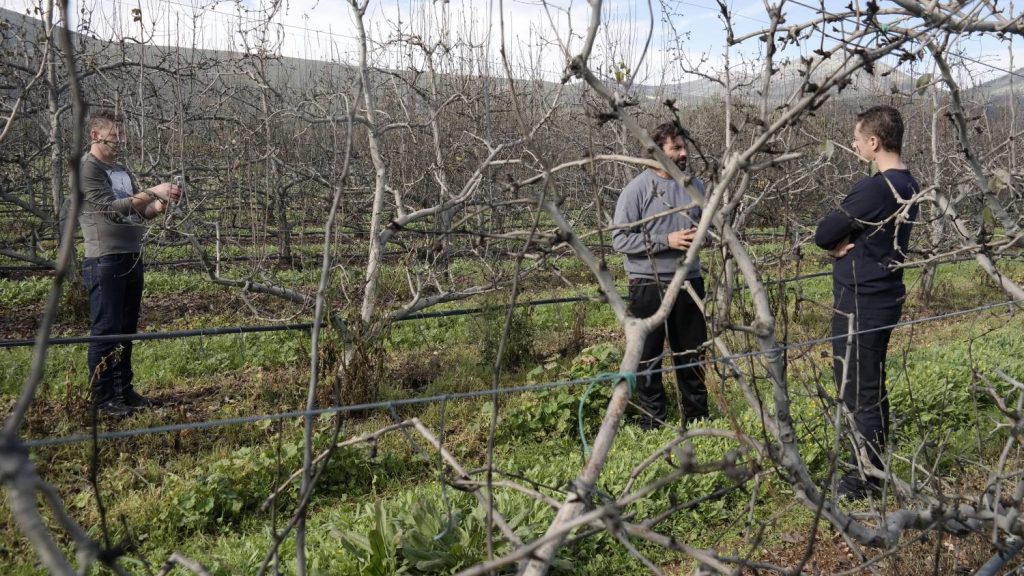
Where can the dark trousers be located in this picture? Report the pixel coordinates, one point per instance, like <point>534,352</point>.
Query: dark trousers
<point>686,332</point>
<point>114,283</point>
<point>864,393</point>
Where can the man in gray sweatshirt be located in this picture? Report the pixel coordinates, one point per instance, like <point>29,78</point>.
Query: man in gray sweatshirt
<point>655,221</point>
<point>112,220</point>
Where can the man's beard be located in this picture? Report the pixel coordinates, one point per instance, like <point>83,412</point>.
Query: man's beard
<point>681,164</point>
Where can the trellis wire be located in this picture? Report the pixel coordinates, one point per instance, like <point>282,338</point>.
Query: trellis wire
<point>390,404</point>
<point>308,325</point>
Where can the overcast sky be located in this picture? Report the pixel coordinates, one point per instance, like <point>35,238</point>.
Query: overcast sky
<point>683,33</point>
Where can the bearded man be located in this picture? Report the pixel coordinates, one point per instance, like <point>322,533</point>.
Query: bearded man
<point>655,221</point>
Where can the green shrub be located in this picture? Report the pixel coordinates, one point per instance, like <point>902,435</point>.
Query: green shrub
<point>935,393</point>
<point>555,411</point>
<point>223,493</point>
<point>412,533</point>
<point>18,293</point>
<point>490,328</point>
<point>232,485</point>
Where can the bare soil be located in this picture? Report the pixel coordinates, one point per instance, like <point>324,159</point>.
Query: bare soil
<point>918,554</point>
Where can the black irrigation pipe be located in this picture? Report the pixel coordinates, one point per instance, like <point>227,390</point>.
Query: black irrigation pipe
<point>479,309</point>
<point>160,335</point>
<point>269,328</point>
<point>24,268</point>
<point>194,261</point>
<point>344,409</point>
<point>330,410</point>
<point>308,325</point>
<point>296,256</point>
<point>311,256</point>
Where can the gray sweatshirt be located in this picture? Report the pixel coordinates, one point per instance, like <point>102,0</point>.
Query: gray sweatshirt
<point>646,245</point>
<point>109,223</point>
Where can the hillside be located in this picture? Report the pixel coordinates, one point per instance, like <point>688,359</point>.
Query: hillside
<point>20,33</point>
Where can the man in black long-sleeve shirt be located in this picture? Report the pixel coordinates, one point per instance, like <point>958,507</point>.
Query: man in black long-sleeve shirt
<point>868,235</point>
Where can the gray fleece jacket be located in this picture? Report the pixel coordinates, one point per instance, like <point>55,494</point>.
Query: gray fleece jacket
<point>646,245</point>
<point>109,223</point>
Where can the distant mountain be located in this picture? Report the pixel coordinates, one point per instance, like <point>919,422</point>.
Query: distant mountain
<point>20,33</point>
<point>787,80</point>
<point>18,29</point>
<point>1000,87</point>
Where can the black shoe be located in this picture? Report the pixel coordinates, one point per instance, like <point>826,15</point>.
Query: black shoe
<point>115,408</point>
<point>694,421</point>
<point>646,423</point>
<point>852,488</point>
<point>851,493</point>
<point>135,400</point>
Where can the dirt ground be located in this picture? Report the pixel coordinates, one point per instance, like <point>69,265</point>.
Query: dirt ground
<point>917,555</point>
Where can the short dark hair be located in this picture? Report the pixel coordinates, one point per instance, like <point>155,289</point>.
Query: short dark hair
<point>667,131</point>
<point>884,123</point>
<point>104,117</point>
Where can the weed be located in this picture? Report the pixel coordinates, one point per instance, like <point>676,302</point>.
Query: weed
<point>18,293</point>
<point>359,369</point>
<point>489,327</point>
<point>555,411</point>
<point>416,532</point>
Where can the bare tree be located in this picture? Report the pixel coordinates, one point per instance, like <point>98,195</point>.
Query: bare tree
<point>416,148</point>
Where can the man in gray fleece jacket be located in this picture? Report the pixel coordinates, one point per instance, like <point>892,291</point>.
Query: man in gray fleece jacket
<point>655,221</point>
<point>112,221</point>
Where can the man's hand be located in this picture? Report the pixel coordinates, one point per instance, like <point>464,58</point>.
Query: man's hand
<point>681,239</point>
<point>842,249</point>
<point>167,192</point>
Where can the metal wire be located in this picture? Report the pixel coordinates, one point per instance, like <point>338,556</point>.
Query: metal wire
<point>159,335</point>
<point>308,325</point>
<point>392,404</point>
<point>273,328</point>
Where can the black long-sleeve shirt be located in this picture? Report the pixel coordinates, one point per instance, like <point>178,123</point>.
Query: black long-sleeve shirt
<point>865,276</point>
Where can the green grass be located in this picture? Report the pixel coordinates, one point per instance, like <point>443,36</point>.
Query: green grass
<point>198,492</point>
<point>168,283</point>
<point>16,293</point>
<point>161,364</point>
